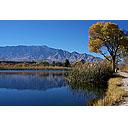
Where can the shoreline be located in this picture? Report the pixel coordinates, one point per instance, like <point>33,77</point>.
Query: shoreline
<point>36,68</point>
<point>124,86</point>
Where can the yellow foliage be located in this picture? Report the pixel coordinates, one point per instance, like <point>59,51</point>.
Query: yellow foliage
<point>109,25</point>
<point>106,34</point>
<point>95,45</point>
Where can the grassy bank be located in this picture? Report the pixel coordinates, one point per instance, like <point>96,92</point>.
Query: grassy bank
<point>114,93</point>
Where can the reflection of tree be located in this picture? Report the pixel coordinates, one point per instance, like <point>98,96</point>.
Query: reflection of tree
<point>32,81</point>
<point>89,91</point>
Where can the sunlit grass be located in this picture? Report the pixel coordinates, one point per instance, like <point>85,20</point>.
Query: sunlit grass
<point>124,68</point>
<point>113,94</point>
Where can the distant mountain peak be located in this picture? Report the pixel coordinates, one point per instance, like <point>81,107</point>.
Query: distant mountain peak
<point>42,53</point>
<point>74,52</point>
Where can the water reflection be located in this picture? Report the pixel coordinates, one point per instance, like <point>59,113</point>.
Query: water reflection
<point>90,91</point>
<point>31,80</point>
<point>43,88</point>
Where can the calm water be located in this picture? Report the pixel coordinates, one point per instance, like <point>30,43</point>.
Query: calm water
<point>40,87</point>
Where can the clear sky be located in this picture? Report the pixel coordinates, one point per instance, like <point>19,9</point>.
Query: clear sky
<point>70,35</point>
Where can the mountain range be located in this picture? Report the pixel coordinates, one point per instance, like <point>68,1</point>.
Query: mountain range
<point>42,53</point>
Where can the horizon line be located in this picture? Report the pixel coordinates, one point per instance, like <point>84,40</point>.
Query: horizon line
<point>27,45</point>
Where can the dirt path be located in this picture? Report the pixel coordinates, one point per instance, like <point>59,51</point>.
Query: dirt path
<point>125,87</point>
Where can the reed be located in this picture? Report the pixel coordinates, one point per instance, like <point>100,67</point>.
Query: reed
<point>96,73</point>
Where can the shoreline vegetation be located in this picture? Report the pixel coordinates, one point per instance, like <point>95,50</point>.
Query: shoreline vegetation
<point>33,66</point>
<point>98,75</point>
<point>80,75</point>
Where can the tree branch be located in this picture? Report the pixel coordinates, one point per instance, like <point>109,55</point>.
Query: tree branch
<point>104,55</point>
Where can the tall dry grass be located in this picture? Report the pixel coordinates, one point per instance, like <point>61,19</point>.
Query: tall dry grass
<point>96,73</point>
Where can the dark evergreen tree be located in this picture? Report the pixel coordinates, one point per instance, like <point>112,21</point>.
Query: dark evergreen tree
<point>53,63</point>
<point>66,63</point>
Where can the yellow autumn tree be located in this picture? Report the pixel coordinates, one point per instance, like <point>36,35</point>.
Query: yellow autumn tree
<point>108,39</point>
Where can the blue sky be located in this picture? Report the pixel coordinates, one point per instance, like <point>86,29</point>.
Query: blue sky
<point>70,35</point>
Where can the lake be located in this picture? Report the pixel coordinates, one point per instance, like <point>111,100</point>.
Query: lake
<point>41,88</point>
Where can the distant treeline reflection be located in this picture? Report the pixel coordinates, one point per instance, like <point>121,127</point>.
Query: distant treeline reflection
<point>32,80</point>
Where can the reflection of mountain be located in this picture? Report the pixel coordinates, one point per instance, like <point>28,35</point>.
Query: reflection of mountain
<point>31,81</point>
<point>39,53</point>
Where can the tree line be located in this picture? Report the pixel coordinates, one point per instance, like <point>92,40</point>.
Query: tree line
<point>66,63</point>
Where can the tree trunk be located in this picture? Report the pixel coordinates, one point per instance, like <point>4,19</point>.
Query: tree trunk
<point>113,63</point>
